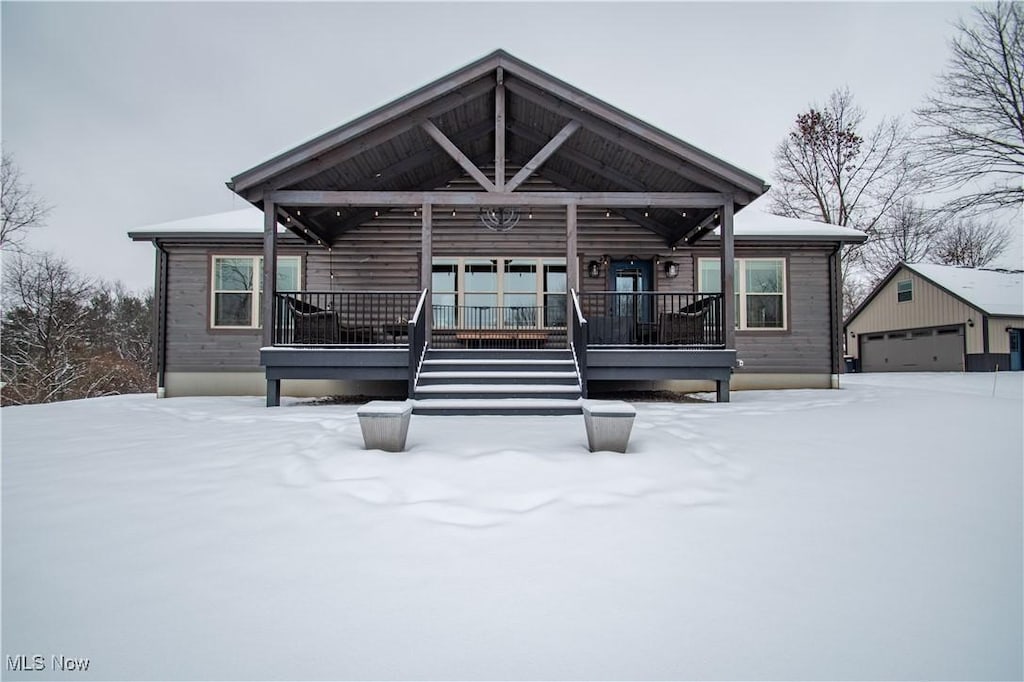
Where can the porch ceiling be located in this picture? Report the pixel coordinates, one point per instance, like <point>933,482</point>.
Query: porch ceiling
<point>389,150</point>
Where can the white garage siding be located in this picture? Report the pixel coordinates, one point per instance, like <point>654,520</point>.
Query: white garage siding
<point>930,307</point>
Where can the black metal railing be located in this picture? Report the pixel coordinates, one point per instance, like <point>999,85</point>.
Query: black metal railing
<point>324,318</point>
<point>578,340</point>
<point>653,319</point>
<point>499,317</point>
<point>417,340</point>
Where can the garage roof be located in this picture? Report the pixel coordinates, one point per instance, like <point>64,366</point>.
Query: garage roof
<point>996,292</point>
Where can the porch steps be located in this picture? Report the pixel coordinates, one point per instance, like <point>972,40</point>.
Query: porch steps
<point>500,382</point>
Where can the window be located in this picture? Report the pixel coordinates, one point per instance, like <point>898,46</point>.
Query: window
<point>498,292</point>
<point>760,297</point>
<point>235,301</point>
<point>904,291</point>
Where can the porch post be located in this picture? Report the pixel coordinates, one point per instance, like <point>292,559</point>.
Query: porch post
<point>728,255</point>
<point>426,264</point>
<point>269,269</point>
<point>572,271</point>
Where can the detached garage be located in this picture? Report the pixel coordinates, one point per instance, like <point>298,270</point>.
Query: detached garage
<point>939,318</point>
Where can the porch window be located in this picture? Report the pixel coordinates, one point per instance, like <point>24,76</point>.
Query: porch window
<point>495,293</point>
<point>237,289</point>
<point>760,290</point>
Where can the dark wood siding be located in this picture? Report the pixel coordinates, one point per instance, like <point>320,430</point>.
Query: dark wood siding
<point>191,345</point>
<point>804,346</point>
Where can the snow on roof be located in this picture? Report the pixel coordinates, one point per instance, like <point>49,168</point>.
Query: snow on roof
<point>996,292</point>
<point>751,223</point>
<point>248,220</point>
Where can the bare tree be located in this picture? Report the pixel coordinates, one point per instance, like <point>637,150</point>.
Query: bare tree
<point>970,243</point>
<point>45,313</point>
<point>906,235</point>
<point>832,170</point>
<point>20,208</point>
<point>974,120</point>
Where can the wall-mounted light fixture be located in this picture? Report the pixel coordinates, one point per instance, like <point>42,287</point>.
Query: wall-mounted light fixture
<point>970,322</point>
<point>593,269</point>
<point>671,269</point>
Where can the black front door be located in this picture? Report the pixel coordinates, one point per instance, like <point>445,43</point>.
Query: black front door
<point>629,279</point>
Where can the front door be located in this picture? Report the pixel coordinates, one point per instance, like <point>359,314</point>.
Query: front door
<point>629,279</point>
<point>1016,350</point>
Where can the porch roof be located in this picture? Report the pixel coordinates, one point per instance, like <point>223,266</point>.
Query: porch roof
<point>247,223</point>
<point>496,115</point>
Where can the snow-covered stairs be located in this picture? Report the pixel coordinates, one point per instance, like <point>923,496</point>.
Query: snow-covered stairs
<point>497,382</point>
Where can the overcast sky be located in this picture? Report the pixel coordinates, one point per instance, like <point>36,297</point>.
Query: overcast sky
<point>128,114</point>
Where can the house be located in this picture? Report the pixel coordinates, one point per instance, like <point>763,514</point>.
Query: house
<point>939,318</point>
<point>496,233</point>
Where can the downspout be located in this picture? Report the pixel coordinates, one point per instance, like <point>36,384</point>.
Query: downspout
<point>834,301</point>
<point>160,315</point>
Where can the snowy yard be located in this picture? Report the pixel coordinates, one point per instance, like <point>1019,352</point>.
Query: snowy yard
<point>872,533</point>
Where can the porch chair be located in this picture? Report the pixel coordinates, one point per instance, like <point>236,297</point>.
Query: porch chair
<point>682,329</point>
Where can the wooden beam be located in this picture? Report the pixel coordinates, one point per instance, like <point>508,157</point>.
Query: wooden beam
<point>572,270</point>
<point>269,270</point>
<point>441,139</point>
<point>499,132</point>
<point>728,285</point>
<point>361,217</point>
<point>632,215</point>
<point>362,133</point>
<point>462,198</point>
<point>540,157</point>
<point>297,227</point>
<point>426,260</point>
<point>620,137</point>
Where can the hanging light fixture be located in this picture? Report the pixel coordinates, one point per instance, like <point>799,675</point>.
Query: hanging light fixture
<point>499,218</point>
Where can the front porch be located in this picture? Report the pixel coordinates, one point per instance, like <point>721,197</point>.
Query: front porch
<point>389,336</point>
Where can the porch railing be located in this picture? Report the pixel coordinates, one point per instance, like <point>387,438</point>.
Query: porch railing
<point>343,318</point>
<point>500,317</point>
<point>578,340</point>
<point>651,318</point>
<point>417,340</point>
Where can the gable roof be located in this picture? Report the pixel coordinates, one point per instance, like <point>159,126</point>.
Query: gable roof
<point>996,292</point>
<point>247,222</point>
<point>993,292</point>
<point>388,149</point>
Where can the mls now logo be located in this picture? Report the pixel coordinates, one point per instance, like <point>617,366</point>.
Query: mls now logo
<point>26,663</point>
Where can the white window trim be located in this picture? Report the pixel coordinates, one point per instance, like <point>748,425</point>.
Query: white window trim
<point>539,291</point>
<point>741,289</point>
<point>257,287</point>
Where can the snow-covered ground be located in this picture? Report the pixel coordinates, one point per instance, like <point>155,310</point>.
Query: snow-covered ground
<point>873,532</point>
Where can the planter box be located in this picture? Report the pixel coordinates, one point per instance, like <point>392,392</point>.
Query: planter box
<point>609,424</point>
<point>385,424</point>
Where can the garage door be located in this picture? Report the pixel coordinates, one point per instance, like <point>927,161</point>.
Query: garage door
<point>937,349</point>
